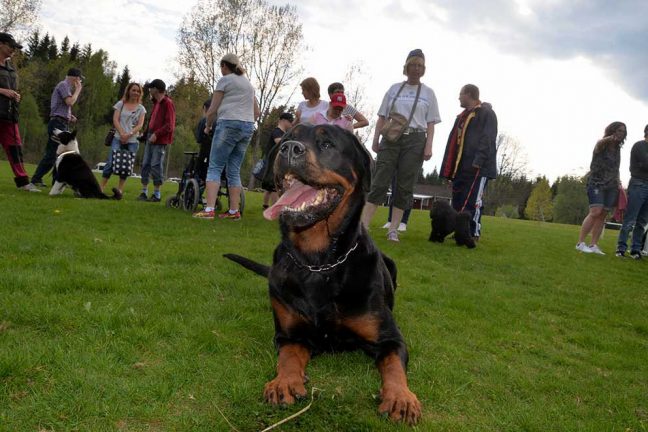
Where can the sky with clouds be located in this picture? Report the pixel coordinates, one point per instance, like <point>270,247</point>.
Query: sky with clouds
<point>556,72</point>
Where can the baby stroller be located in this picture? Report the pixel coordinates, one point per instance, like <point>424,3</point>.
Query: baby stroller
<point>192,186</point>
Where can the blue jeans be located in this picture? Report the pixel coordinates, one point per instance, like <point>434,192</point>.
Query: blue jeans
<point>636,215</point>
<point>231,139</point>
<point>153,163</point>
<point>116,144</point>
<point>47,163</point>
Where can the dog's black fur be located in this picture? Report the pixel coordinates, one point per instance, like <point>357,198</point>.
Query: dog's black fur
<point>446,220</point>
<point>331,288</point>
<point>72,170</point>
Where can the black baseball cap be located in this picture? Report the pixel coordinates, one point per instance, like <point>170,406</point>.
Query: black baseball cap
<point>75,72</point>
<point>9,40</point>
<point>156,84</point>
<point>287,116</point>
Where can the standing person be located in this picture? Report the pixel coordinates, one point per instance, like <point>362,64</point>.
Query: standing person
<point>470,158</point>
<point>236,109</point>
<point>204,142</point>
<point>128,120</point>
<point>403,157</point>
<point>602,185</point>
<point>313,104</point>
<point>270,190</point>
<point>406,214</point>
<point>349,110</point>
<point>159,134</point>
<point>9,102</point>
<point>333,115</point>
<point>65,94</point>
<point>636,215</point>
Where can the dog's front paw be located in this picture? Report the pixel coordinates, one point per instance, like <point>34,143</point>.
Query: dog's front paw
<point>284,390</point>
<point>400,404</point>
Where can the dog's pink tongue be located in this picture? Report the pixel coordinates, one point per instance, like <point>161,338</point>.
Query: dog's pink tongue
<point>293,197</point>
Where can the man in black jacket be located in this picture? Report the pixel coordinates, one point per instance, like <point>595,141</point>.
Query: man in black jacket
<point>470,158</point>
<point>636,215</point>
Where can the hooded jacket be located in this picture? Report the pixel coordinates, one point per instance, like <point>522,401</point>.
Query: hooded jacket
<point>479,145</point>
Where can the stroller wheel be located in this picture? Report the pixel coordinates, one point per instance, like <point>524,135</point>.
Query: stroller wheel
<point>191,195</point>
<point>173,202</point>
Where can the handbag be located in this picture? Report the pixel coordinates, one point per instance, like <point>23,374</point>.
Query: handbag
<point>259,169</point>
<point>111,133</point>
<point>397,123</point>
<point>122,162</point>
<point>109,137</point>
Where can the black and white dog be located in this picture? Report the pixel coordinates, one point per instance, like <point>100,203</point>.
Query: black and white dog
<point>446,220</point>
<point>71,170</point>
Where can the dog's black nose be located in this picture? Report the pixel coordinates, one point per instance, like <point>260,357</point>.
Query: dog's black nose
<point>293,151</point>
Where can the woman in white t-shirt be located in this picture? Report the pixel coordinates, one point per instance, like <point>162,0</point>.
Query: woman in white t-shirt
<point>235,109</point>
<point>128,120</point>
<point>313,104</point>
<point>403,157</point>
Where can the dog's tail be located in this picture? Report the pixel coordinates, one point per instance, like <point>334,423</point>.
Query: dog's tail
<point>260,269</point>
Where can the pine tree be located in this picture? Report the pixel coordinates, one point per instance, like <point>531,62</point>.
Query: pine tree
<point>65,46</point>
<point>52,50</point>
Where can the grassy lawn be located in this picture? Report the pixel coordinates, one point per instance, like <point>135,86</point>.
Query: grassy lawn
<point>123,316</point>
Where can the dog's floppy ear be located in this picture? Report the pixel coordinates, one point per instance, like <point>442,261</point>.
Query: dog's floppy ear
<point>73,135</point>
<point>367,163</point>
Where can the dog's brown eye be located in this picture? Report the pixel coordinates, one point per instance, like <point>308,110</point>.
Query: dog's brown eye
<point>325,144</point>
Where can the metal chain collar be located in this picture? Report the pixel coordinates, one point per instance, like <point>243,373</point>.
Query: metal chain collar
<point>324,267</point>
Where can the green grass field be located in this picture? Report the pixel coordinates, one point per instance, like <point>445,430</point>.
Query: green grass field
<point>123,316</point>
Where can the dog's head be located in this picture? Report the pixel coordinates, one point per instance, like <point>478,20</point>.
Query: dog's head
<point>67,141</point>
<point>323,172</point>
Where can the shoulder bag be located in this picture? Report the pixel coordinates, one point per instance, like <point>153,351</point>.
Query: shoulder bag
<point>397,123</point>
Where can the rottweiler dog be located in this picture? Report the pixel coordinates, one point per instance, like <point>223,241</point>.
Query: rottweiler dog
<point>446,220</point>
<point>331,289</point>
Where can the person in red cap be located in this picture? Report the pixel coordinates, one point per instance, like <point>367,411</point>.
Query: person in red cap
<point>9,100</point>
<point>334,113</point>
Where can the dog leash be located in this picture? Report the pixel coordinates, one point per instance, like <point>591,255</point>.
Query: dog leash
<point>324,267</point>
<point>470,191</point>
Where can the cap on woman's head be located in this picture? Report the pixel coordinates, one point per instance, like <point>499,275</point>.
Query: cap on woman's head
<point>415,53</point>
<point>231,59</point>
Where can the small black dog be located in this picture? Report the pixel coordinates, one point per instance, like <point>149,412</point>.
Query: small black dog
<point>446,220</point>
<point>71,169</point>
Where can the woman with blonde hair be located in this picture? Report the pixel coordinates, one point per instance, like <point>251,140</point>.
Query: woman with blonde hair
<point>313,104</point>
<point>128,120</point>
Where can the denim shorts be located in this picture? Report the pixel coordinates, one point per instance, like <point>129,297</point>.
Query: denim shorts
<point>602,197</point>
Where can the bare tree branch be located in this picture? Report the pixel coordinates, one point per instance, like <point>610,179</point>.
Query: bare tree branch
<point>15,14</point>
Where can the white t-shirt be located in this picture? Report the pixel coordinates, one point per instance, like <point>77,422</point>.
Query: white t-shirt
<point>128,119</point>
<point>306,112</point>
<point>427,108</point>
<point>238,98</point>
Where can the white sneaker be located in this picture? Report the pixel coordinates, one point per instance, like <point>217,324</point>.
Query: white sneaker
<point>402,227</point>
<point>583,248</point>
<point>595,249</point>
<point>29,188</point>
<point>386,225</point>
<point>392,236</point>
